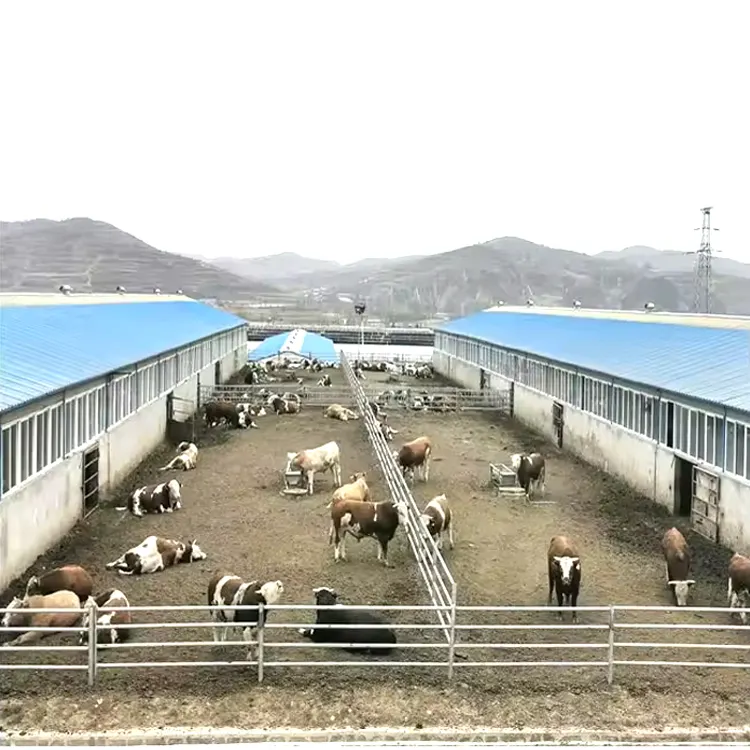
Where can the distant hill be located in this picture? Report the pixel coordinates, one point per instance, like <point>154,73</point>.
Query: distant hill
<point>40,255</point>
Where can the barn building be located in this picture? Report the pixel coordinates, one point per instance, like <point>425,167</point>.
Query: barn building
<point>661,400</point>
<point>86,381</point>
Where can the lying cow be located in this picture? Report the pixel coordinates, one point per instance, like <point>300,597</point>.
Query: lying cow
<point>186,458</point>
<point>415,455</point>
<point>67,578</point>
<point>110,623</point>
<point>564,571</point>
<point>284,406</point>
<point>677,558</point>
<point>325,381</point>
<point>438,520</point>
<point>251,411</point>
<point>324,458</point>
<point>155,498</point>
<point>336,411</point>
<point>217,412</point>
<point>363,519</point>
<point>227,590</point>
<point>356,489</point>
<point>738,585</point>
<point>530,470</point>
<point>357,636</point>
<point>18,617</point>
<point>156,553</point>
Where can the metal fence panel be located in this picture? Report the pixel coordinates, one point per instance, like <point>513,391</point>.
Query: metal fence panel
<point>309,395</point>
<point>416,397</point>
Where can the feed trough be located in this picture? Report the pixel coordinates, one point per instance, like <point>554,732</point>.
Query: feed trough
<point>504,480</point>
<point>295,482</point>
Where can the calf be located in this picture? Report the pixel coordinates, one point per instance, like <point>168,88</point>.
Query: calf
<point>415,455</point>
<point>362,639</point>
<point>186,458</point>
<point>155,553</point>
<point>155,498</point>
<point>438,520</point>
<point>336,411</point>
<point>227,590</point>
<point>224,411</point>
<point>564,571</point>
<point>362,519</point>
<point>677,557</point>
<point>738,585</point>
<point>324,458</point>
<point>357,489</point>
<point>67,578</point>
<point>530,471</point>
<point>18,617</point>
<point>111,630</point>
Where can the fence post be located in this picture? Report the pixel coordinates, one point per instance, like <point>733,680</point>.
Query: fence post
<point>452,641</point>
<point>93,612</point>
<point>261,633</point>
<point>611,649</point>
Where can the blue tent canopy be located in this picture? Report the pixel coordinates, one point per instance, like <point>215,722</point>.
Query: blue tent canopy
<point>297,342</point>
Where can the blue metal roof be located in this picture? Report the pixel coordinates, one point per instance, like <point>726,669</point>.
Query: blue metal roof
<point>45,348</point>
<point>709,364</point>
<point>298,341</point>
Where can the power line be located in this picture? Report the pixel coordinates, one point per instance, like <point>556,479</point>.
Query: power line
<point>702,277</point>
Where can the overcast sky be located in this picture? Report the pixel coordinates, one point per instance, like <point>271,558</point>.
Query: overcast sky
<point>355,129</point>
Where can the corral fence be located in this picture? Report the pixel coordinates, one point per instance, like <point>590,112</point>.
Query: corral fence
<point>607,648</point>
<point>418,398</point>
<point>397,359</point>
<point>310,395</point>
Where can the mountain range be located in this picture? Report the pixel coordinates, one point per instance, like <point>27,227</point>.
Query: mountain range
<point>89,255</point>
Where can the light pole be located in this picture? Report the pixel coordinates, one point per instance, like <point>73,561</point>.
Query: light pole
<point>359,308</point>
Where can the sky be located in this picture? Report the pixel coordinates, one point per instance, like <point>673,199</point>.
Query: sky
<point>345,130</point>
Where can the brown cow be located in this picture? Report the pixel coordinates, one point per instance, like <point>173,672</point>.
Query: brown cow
<point>218,411</point>
<point>415,455</point>
<point>678,559</point>
<point>738,587</point>
<point>67,578</point>
<point>18,617</point>
<point>564,571</point>
<point>357,489</point>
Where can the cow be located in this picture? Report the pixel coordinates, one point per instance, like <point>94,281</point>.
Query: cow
<point>67,578</point>
<point>284,406</point>
<point>228,590</point>
<point>677,558</point>
<point>386,430</point>
<point>110,630</point>
<point>18,617</point>
<point>251,411</point>
<point>363,519</point>
<point>564,571</point>
<point>156,553</point>
<point>415,455</point>
<point>224,411</point>
<point>357,636</point>
<point>155,498</point>
<point>357,489</point>
<point>375,408</point>
<point>323,458</point>
<point>336,411</point>
<point>186,458</point>
<point>738,585</point>
<point>437,518</point>
<point>530,470</point>
<point>325,381</point>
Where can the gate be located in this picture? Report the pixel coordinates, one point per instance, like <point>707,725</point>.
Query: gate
<point>181,419</point>
<point>704,504</point>
<point>558,422</point>
<point>90,480</point>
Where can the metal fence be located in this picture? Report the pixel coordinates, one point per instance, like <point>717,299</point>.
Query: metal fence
<point>607,647</point>
<point>310,395</point>
<point>419,398</point>
<point>396,358</point>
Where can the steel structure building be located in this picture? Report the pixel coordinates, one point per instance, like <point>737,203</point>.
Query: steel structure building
<point>661,400</point>
<point>85,383</point>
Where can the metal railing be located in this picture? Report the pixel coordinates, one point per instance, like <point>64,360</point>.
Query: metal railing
<point>310,395</point>
<point>418,397</point>
<point>440,584</point>
<point>400,358</point>
<point>606,650</point>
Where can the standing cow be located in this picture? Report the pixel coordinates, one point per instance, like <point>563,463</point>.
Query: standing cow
<point>564,571</point>
<point>530,470</point>
<point>738,587</point>
<point>677,558</point>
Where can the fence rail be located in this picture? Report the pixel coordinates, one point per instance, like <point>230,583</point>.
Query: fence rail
<point>613,649</point>
<point>415,397</point>
<point>315,395</point>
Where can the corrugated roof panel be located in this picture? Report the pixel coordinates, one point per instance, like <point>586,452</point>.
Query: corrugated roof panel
<point>297,341</point>
<point>45,348</point>
<point>710,364</point>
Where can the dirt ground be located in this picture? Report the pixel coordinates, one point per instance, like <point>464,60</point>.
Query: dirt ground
<point>233,506</point>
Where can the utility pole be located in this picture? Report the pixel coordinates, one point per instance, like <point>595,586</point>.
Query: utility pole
<point>703,256</point>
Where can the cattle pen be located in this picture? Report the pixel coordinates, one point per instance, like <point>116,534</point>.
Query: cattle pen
<point>454,611</point>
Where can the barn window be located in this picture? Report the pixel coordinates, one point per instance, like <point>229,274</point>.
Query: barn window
<point>710,453</point>
<point>42,442</point>
<point>56,433</point>
<point>719,442</point>
<point>27,446</point>
<point>11,456</point>
<point>693,447</point>
<point>730,464</point>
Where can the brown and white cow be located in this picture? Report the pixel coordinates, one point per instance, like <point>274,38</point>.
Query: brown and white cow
<point>217,412</point>
<point>186,458</point>
<point>738,585</point>
<point>156,553</point>
<point>678,560</point>
<point>336,411</point>
<point>356,489</point>
<point>17,615</point>
<point>415,455</point>
<point>67,578</point>
<point>165,497</point>
<point>323,458</point>
<point>110,622</point>
<point>285,406</point>
<point>564,572</point>
<point>437,518</point>
<point>530,470</point>
<point>228,590</point>
<point>364,519</point>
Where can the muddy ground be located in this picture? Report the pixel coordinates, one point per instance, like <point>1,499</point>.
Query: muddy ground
<point>233,506</point>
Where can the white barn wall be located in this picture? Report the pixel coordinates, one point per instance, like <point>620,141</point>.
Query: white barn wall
<point>734,518</point>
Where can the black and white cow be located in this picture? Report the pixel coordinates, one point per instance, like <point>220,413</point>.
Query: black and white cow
<point>358,637</point>
<point>530,470</point>
<point>155,498</point>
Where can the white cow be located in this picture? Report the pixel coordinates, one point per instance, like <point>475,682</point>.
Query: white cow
<point>324,458</point>
<point>186,459</point>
